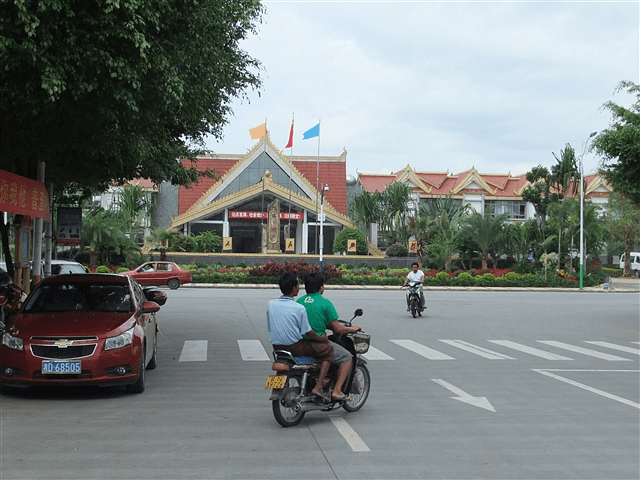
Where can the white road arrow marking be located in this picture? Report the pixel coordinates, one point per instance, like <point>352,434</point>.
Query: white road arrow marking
<point>481,402</point>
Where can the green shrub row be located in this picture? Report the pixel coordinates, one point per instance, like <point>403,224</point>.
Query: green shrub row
<point>464,279</point>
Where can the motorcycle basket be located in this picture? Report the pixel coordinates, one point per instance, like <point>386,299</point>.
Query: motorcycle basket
<point>361,342</point>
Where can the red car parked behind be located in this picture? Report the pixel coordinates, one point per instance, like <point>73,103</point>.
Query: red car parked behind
<point>160,273</point>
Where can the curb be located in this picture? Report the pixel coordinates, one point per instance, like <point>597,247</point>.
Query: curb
<point>598,289</point>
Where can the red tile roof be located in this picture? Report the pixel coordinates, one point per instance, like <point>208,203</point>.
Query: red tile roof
<point>331,172</point>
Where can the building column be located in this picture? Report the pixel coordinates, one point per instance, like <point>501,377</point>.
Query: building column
<point>225,223</point>
<point>304,241</point>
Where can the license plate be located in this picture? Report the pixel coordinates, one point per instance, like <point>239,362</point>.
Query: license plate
<point>276,381</point>
<point>61,367</point>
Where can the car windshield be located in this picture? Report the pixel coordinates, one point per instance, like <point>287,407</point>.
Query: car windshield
<point>80,297</point>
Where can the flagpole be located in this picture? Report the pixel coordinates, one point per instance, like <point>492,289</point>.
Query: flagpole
<point>291,169</point>
<point>317,186</point>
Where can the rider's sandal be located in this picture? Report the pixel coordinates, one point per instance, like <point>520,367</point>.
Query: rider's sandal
<point>323,396</point>
<point>343,398</point>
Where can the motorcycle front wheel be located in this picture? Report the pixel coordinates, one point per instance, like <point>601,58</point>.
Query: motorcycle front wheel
<point>284,409</point>
<point>414,307</point>
<point>359,389</point>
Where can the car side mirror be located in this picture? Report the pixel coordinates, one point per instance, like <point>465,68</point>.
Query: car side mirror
<point>150,307</point>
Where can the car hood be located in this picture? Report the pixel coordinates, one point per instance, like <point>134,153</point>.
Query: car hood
<point>69,324</point>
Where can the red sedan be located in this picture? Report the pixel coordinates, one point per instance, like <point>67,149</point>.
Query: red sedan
<point>160,273</point>
<point>81,329</point>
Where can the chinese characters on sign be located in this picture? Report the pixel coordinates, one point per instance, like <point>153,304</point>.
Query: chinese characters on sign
<point>23,196</point>
<point>69,225</point>
<point>251,215</point>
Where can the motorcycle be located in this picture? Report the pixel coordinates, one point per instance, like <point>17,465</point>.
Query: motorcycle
<point>291,386</point>
<point>11,298</point>
<point>413,298</point>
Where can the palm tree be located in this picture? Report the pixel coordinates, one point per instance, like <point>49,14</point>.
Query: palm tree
<point>485,231</point>
<point>163,237</point>
<point>395,201</point>
<point>365,209</point>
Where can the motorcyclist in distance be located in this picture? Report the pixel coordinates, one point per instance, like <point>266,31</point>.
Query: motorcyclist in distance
<point>415,275</point>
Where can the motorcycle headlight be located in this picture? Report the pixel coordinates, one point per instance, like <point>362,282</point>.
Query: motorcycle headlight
<point>10,341</point>
<point>119,341</point>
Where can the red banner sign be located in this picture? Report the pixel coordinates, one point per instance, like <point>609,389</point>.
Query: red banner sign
<point>23,196</point>
<point>250,215</point>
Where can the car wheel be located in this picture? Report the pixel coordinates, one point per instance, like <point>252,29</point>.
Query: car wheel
<point>138,387</point>
<point>173,284</point>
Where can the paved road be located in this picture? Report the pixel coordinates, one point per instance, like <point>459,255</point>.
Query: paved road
<point>496,385</point>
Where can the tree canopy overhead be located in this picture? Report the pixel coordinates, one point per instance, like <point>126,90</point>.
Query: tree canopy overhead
<point>619,145</point>
<point>106,90</point>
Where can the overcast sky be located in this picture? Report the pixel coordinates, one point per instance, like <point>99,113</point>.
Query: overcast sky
<point>442,86</point>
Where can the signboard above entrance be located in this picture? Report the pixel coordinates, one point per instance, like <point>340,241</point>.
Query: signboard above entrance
<point>251,215</point>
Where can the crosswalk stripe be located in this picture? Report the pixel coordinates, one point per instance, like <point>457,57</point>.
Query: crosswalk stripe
<point>422,350</point>
<point>252,350</point>
<point>483,352</point>
<point>615,347</point>
<point>584,351</point>
<point>194,351</point>
<point>530,350</point>
<point>375,354</point>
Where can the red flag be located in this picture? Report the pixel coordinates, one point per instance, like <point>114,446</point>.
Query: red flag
<point>290,142</point>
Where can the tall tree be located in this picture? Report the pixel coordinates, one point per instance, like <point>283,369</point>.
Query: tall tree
<point>623,220</point>
<point>108,91</point>
<point>619,145</point>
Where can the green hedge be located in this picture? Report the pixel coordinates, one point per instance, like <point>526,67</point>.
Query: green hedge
<point>463,280</point>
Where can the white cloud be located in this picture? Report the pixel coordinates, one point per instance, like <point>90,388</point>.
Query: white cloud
<point>439,85</point>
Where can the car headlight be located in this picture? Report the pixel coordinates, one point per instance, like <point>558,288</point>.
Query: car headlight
<point>120,341</point>
<point>12,342</point>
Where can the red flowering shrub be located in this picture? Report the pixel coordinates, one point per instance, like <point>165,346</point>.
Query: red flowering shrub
<point>302,268</point>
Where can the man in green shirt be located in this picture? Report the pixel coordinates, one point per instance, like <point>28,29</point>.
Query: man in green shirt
<point>322,315</point>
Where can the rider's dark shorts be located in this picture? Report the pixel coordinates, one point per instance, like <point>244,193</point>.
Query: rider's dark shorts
<point>307,348</point>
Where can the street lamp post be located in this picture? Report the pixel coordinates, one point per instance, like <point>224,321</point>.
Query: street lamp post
<point>584,150</point>
<point>324,189</point>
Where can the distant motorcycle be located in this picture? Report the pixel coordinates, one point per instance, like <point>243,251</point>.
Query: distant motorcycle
<point>413,298</point>
<point>291,386</point>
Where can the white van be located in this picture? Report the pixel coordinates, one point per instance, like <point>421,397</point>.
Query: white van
<point>634,266</point>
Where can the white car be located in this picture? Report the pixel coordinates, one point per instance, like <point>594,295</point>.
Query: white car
<point>60,267</point>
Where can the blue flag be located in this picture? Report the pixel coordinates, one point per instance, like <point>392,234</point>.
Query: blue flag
<point>312,132</point>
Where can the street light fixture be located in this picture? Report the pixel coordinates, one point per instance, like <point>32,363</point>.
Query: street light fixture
<point>324,189</point>
<point>584,150</point>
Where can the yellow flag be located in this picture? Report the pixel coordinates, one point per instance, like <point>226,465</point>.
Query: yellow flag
<point>258,132</point>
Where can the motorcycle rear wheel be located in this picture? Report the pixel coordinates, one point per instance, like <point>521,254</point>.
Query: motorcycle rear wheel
<point>359,389</point>
<point>283,409</point>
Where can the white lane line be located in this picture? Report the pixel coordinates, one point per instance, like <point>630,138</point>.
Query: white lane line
<point>483,352</point>
<point>194,351</point>
<point>375,354</point>
<point>530,350</point>
<point>613,346</point>
<point>252,351</point>
<point>426,352</point>
<point>350,435</point>
<point>584,351</point>
<point>587,387</point>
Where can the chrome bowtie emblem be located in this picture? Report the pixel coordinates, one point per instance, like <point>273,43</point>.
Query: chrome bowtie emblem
<point>63,343</point>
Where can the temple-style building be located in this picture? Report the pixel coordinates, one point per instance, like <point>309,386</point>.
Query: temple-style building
<point>238,206</point>
<point>502,191</point>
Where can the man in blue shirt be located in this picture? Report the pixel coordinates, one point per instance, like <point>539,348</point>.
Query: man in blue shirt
<point>288,324</point>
